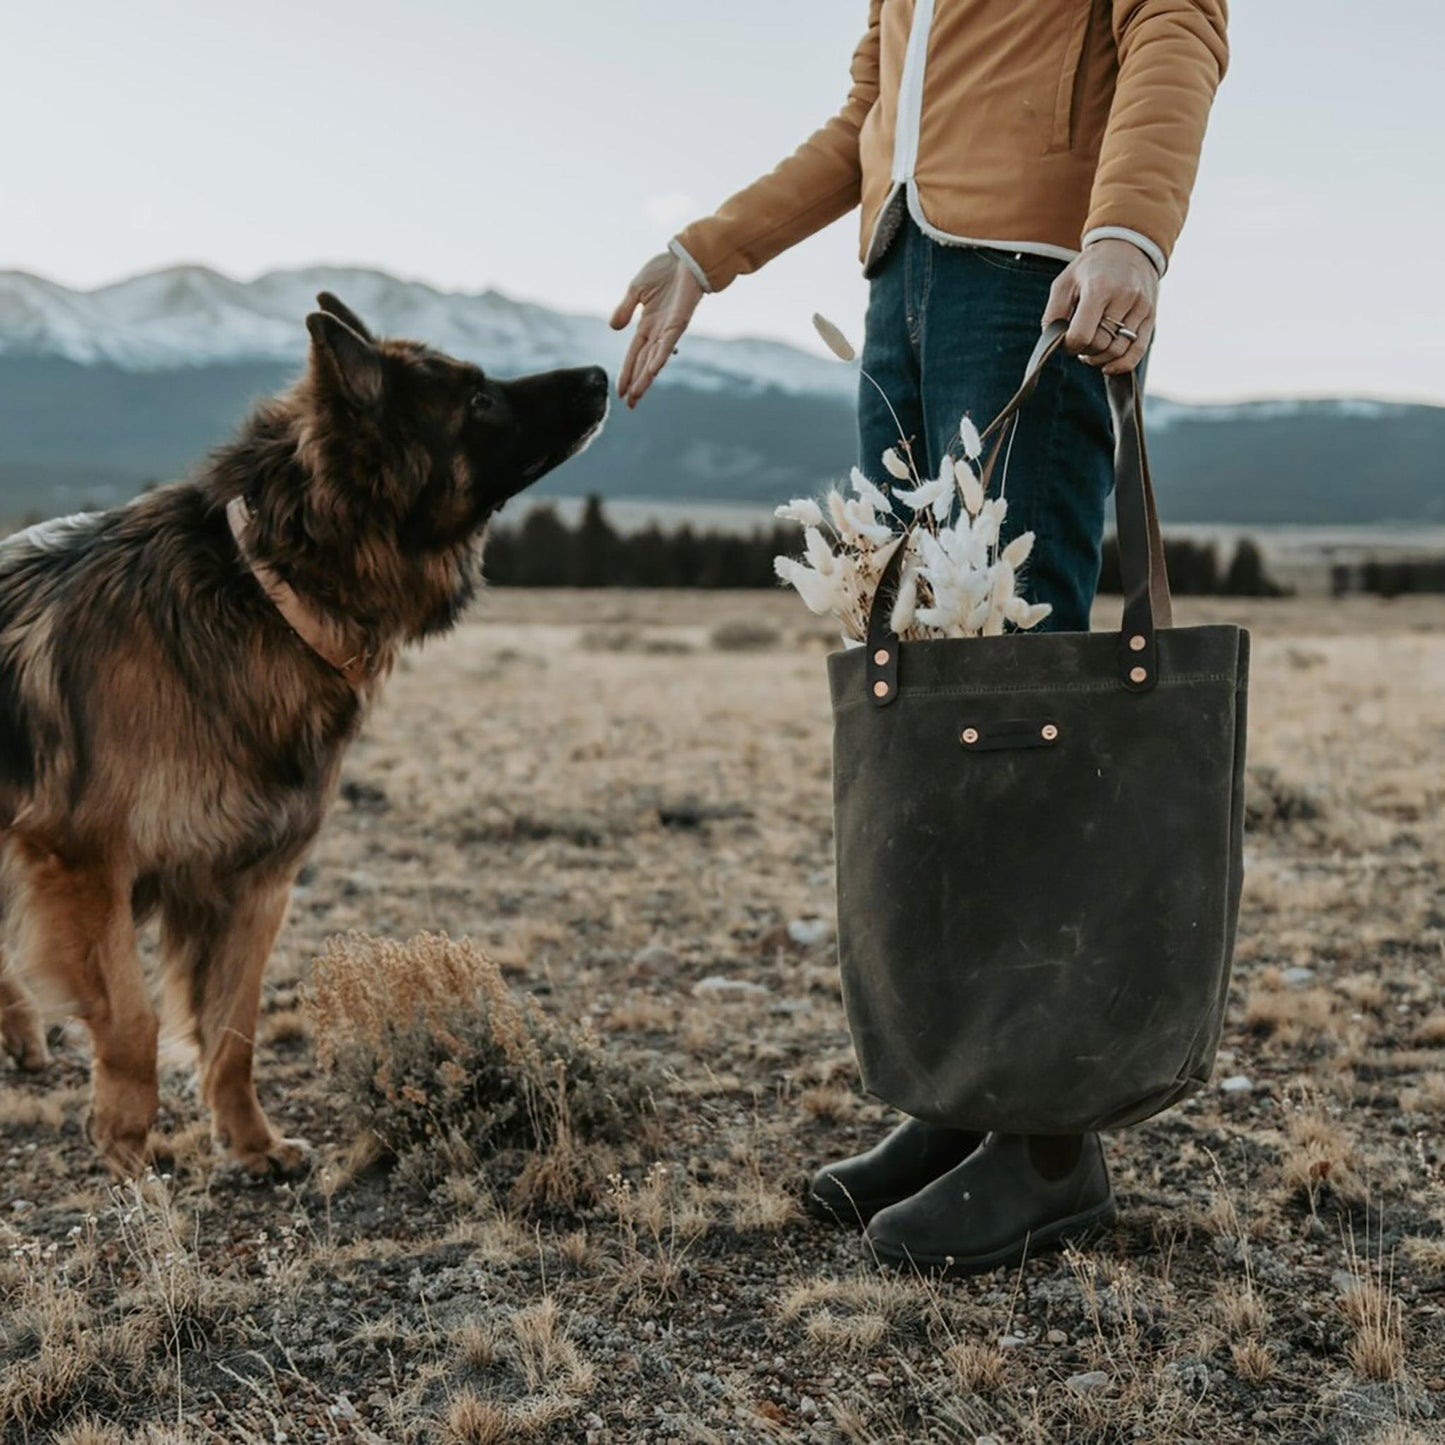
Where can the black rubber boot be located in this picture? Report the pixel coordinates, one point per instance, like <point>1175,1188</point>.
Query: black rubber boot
<point>914,1154</point>
<point>1012,1197</point>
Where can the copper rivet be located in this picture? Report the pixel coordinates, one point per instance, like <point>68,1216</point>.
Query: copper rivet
<point>1137,674</point>
<point>881,657</point>
<point>970,735</point>
<point>1137,644</point>
<point>1048,732</point>
<point>880,689</point>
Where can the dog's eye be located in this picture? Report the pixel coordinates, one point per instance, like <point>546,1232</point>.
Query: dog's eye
<point>480,402</point>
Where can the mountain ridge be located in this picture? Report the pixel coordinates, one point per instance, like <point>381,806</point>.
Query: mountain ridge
<point>106,389</point>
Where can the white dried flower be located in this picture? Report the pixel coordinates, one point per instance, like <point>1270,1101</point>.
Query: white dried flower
<point>868,491</point>
<point>865,522</point>
<point>896,466</point>
<point>970,486</point>
<point>956,580</point>
<point>820,554</point>
<point>927,495</point>
<point>801,509</point>
<point>905,605</point>
<point>834,339</point>
<point>1017,551</point>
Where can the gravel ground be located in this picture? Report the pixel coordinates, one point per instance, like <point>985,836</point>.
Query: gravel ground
<point>624,799</point>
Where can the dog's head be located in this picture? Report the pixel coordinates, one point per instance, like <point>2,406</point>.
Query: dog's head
<point>457,442</point>
<point>404,454</point>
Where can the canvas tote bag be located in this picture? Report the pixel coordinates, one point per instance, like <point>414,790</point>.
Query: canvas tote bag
<point>1039,845</point>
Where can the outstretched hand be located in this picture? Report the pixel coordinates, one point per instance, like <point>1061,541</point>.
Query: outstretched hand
<point>668,294</point>
<point>1111,292</point>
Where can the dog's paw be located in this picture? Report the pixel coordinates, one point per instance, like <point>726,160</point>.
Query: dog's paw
<point>124,1147</point>
<point>24,1040</point>
<point>280,1159</point>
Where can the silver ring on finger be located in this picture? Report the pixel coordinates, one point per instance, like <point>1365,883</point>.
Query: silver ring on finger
<point>1127,334</point>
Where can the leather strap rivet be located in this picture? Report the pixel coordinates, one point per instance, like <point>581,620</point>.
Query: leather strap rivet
<point>881,657</point>
<point>969,736</point>
<point>1137,643</point>
<point>1138,674</point>
<point>1048,732</point>
<point>880,689</point>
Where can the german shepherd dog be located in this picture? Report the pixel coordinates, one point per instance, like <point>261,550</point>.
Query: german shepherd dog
<point>180,677</point>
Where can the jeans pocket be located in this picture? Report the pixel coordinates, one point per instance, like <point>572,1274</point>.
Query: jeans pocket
<point>1021,263</point>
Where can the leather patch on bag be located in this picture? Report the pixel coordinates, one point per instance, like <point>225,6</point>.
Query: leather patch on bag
<point>1009,733</point>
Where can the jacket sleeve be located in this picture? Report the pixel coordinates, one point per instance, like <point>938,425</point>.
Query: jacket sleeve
<point>1172,56</point>
<point>819,182</point>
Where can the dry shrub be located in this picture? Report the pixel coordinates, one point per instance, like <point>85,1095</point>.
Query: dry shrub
<point>439,1061</point>
<point>741,635</point>
<point>1431,1033</point>
<point>1288,1015</point>
<point>1276,804</point>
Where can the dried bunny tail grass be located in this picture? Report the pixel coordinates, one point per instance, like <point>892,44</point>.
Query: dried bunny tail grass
<point>834,339</point>
<point>896,467</point>
<point>803,510</point>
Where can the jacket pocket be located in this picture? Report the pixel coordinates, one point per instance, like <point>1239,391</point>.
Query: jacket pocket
<point>1061,132</point>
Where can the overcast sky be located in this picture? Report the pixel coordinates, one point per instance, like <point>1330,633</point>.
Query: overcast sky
<point>548,149</point>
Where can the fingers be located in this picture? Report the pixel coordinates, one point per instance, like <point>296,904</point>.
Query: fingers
<point>626,307</point>
<point>1084,334</point>
<point>1062,296</point>
<point>1112,343</point>
<point>1140,320</point>
<point>641,340</point>
<point>657,353</point>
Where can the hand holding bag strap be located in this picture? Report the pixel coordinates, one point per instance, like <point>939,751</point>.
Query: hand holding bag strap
<point>1147,602</point>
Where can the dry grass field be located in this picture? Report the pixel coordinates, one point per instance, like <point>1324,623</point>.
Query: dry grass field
<point>622,800</point>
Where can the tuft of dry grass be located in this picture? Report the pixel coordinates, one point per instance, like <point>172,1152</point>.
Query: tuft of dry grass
<point>472,1420</point>
<point>434,1056</point>
<point>1254,1361</point>
<point>1320,1161</point>
<point>1376,1349</point>
<point>976,1367</point>
<point>1289,1016</point>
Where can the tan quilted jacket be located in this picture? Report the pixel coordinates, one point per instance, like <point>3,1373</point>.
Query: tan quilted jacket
<point>1039,125</point>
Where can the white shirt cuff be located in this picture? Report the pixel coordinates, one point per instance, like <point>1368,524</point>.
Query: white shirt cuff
<point>1123,233</point>
<point>680,251</point>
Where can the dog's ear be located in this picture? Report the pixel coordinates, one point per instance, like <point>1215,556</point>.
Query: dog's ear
<point>351,360</point>
<point>335,306</point>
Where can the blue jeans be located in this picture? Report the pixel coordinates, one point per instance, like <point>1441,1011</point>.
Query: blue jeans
<point>949,331</point>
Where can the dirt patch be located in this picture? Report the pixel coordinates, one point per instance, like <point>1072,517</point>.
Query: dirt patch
<point>640,840</point>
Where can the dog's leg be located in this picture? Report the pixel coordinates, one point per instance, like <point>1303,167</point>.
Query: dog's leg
<point>219,959</point>
<point>22,1035</point>
<point>75,926</point>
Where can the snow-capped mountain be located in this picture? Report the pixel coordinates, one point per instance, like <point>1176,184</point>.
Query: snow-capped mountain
<point>189,316</point>
<point>104,391</point>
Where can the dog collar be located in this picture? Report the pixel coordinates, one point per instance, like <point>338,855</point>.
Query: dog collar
<point>335,643</point>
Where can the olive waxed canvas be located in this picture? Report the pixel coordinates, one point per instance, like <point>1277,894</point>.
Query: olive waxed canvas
<point>1038,939</point>
<point>1040,853</point>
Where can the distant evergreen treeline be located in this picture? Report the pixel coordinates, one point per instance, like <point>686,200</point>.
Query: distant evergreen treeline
<point>545,551</point>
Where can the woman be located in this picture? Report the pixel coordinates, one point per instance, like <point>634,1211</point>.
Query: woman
<point>1015,165</point>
